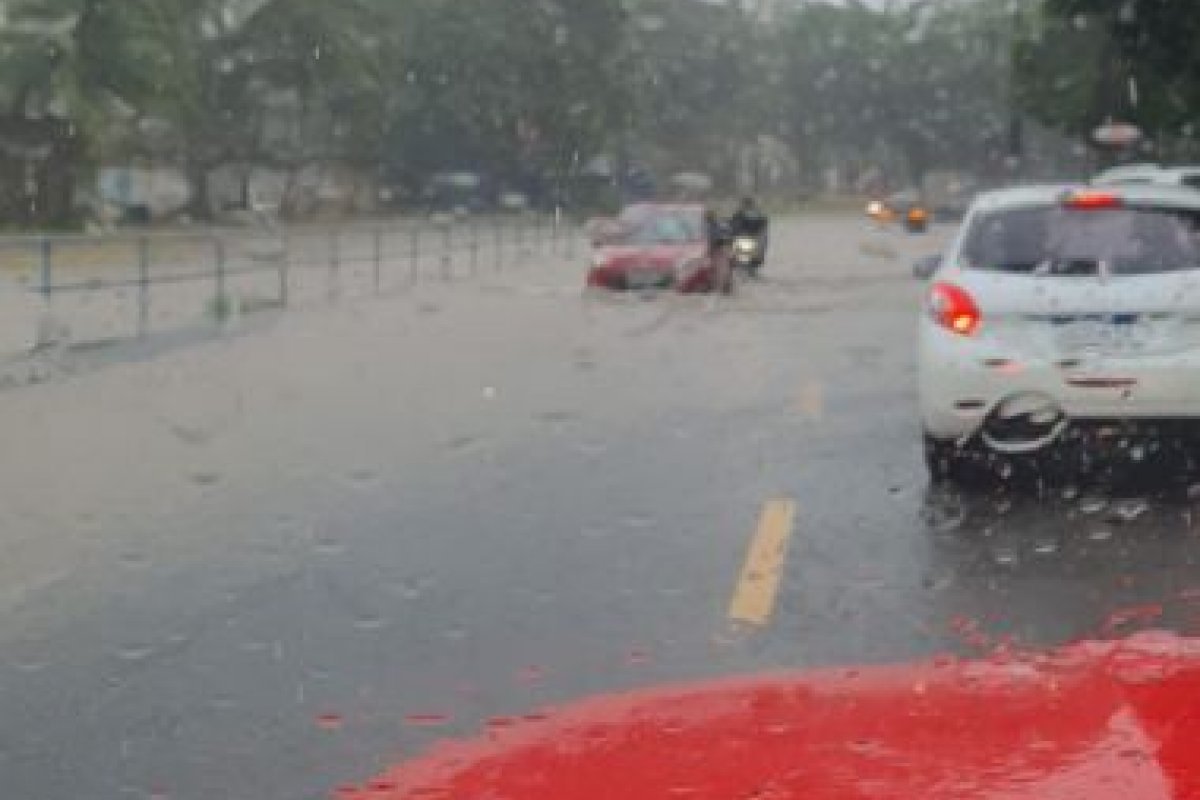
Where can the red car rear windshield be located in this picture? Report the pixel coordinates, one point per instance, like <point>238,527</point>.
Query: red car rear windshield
<point>1050,239</point>
<point>661,226</point>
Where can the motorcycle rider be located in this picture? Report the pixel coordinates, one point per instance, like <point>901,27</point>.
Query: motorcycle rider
<point>719,235</point>
<point>749,220</point>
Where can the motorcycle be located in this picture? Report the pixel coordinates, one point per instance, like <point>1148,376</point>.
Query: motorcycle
<point>916,220</point>
<point>749,253</point>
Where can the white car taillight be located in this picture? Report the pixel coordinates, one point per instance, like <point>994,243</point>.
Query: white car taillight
<point>954,309</point>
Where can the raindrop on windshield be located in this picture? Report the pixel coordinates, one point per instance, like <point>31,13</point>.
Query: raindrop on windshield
<point>327,545</point>
<point>427,719</point>
<point>651,23</point>
<point>330,722</point>
<point>370,623</point>
<point>1005,557</point>
<point>135,652</point>
<point>1045,547</point>
<point>411,588</point>
<point>363,475</point>
<point>206,478</point>
<point>531,674</point>
<point>637,657</point>
<point>455,634</point>
<point>134,560</point>
<point>29,666</point>
<point>1130,510</point>
<point>638,522</point>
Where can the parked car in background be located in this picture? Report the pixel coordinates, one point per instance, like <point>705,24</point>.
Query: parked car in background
<point>457,193</point>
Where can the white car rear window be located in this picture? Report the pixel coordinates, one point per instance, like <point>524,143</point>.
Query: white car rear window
<point>1051,239</point>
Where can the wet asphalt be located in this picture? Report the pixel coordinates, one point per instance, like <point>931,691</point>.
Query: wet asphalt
<point>270,564</point>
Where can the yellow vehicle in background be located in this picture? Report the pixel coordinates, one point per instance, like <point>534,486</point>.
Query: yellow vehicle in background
<point>907,207</point>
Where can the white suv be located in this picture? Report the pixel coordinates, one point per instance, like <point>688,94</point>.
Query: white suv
<point>1059,305</point>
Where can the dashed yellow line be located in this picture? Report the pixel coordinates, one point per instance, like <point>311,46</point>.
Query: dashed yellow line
<point>754,596</point>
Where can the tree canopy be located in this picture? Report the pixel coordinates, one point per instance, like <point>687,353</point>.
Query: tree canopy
<point>528,90</point>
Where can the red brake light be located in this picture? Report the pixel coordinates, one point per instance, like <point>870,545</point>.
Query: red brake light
<point>1091,201</point>
<point>954,309</point>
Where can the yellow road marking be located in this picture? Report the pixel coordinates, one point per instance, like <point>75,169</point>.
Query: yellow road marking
<point>754,596</point>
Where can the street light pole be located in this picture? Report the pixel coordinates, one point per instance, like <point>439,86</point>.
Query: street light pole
<point>1016,128</point>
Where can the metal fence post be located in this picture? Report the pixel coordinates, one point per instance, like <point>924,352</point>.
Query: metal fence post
<point>335,265</point>
<point>143,286</point>
<point>414,240</point>
<point>447,268</point>
<point>285,259</point>
<point>499,237</point>
<point>474,247</point>
<point>47,268</point>
<point>221,302</point>
<point>378,254</point>
<point>519,244</point>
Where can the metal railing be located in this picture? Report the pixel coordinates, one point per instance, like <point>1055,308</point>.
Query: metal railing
<point>128,284</point>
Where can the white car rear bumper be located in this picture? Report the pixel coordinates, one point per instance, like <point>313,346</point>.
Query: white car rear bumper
<point>962,380</point>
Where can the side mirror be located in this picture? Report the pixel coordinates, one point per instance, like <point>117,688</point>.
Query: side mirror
<point>925,267</point>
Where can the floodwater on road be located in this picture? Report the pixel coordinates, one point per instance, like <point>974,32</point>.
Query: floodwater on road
<point>273,561</point>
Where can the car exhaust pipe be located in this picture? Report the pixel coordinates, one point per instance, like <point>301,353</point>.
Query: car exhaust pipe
<point>1023,423</point>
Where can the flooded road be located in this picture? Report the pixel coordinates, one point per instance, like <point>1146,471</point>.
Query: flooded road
<point>272,562</point>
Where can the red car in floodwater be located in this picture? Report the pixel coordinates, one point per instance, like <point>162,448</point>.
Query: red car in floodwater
<point>657,246</point>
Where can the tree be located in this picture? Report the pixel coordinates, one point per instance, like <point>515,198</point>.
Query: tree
<point>228,69</point>
<point>523,89</point>
<point>64,67</point>
<point>704,77</point>
<point>1135,60</point>
<point>925,85</point>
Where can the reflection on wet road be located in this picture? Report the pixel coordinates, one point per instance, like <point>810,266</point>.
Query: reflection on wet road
<point>1039,567</point>
<point>271,564</point>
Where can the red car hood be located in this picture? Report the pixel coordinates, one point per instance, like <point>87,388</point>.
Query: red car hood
<point>1097,721</point>
<point>650,257</point>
